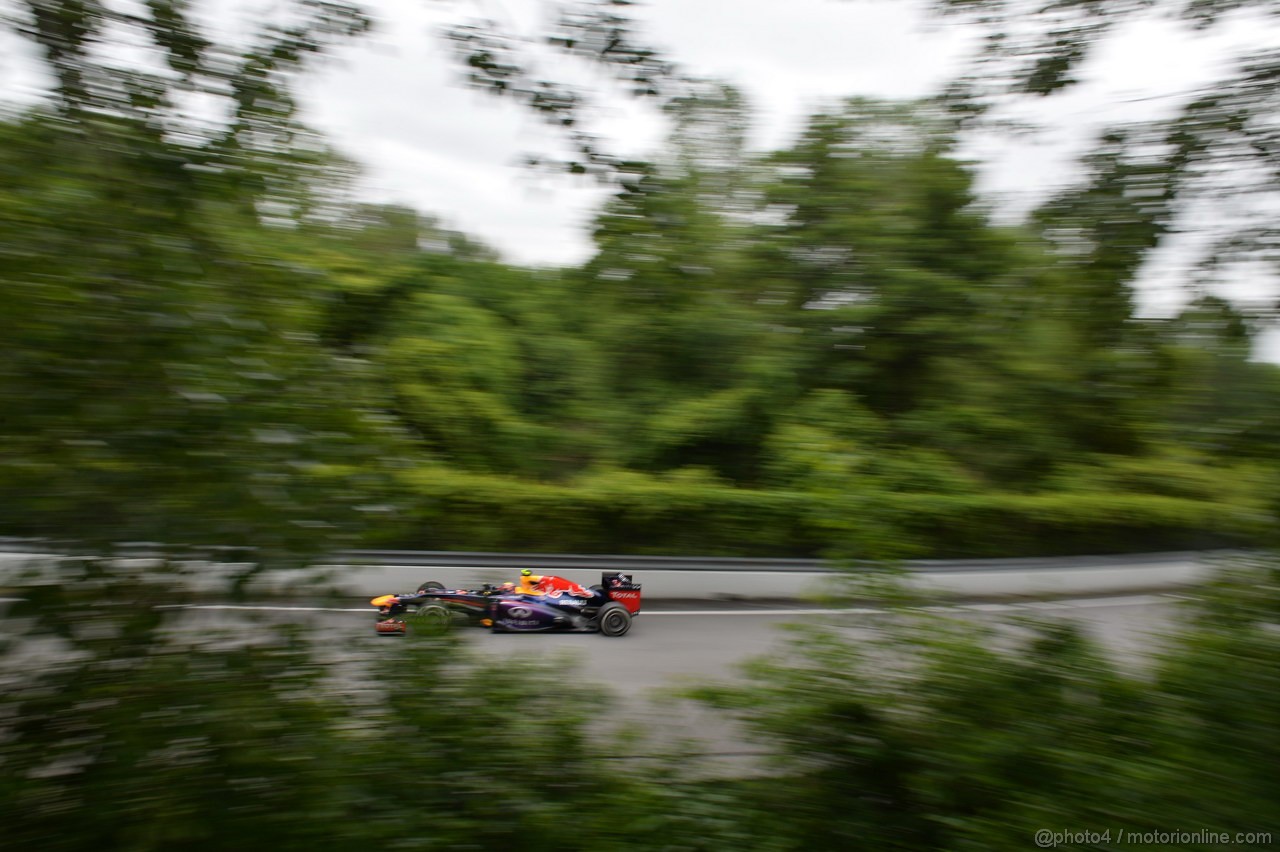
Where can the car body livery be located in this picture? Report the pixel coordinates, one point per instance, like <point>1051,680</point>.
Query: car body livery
<point>567,608</point>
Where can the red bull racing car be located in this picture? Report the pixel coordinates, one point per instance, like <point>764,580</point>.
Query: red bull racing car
<point>557,606</point>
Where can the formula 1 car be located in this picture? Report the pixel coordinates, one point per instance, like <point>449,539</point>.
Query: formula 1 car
<point>607,608</point>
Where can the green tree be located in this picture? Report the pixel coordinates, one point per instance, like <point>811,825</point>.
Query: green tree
<point>1210,168</point>
<point>690,366</point>
<point>163,383</point>
<point>161,367</point>
<point>877,252</point>
<point>453,368</point>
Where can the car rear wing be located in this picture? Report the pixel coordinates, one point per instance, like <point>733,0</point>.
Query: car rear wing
<point>621,588</point>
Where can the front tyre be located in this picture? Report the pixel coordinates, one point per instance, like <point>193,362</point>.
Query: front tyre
<point>431,586</point>
<point>433,618</point>
<point>614,620</point>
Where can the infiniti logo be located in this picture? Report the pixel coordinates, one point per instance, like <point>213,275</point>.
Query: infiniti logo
<point>519,612</point>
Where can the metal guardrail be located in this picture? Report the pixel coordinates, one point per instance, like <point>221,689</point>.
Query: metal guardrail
<point>368,572</point>
<point>548,562</point>
<point>604,562</point>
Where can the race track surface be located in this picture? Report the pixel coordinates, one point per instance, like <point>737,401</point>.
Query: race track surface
<point>677,646</point>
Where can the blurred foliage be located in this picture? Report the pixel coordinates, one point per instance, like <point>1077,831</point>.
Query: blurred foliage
<point>496,57</point>
<point>840,514</point>
<point>127,726</point>
<point>1212,167</point>
<point>162,379</point>
<point>129,723</point>
<point>928,734</point>
<point>827,349</point>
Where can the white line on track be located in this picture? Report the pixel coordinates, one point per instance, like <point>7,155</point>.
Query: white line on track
<point>851,610</point>
<point>1075,603</point>
<point>366,609</point>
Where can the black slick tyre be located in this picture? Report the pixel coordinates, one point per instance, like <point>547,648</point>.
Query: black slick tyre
<point>432,618</point>
<point>614,620</point>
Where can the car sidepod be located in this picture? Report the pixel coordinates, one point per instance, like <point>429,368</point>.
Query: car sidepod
<point>525,614</point>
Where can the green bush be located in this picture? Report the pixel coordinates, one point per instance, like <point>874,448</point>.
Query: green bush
<point>623,512</point>
<point>143,732</point>
<point>146,730</point>
<point>994,525</point>
<point>926,733</point>
<point>615,512</point>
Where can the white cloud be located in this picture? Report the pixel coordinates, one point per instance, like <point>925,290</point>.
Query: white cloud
<point>394,103</point>
<point>792,58</point>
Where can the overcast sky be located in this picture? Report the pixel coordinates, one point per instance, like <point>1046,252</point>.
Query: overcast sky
<point>393,103</point>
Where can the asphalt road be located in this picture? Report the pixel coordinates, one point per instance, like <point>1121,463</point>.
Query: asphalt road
<point>669,648</point>
<point>672,644</point>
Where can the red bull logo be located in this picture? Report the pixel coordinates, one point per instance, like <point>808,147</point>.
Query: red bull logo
<point>555,587</point>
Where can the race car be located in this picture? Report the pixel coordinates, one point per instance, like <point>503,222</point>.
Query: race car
<point>568,608</point>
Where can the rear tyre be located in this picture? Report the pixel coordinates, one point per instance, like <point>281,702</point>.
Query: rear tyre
<point>614,620</point>
<point>431,586</point>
